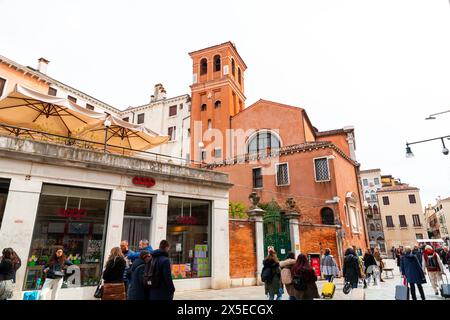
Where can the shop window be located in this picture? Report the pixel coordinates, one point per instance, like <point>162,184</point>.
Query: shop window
<point>189,234</point>
<point>257,178</point>
<point>321,169</point>
<point>4,188</point>
<point>52,91</point>
<point>140,118</point>
<point>203,66</point>
<point>76,219</point>
<point>136,220</point>
<point>217,63</point>
<point>327,216</point>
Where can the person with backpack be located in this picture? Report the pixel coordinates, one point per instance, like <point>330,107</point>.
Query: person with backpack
<point>329,266</point>
<point>158,274</point>
<point>9,263</point>
<point>412,270</point>
<point>271,276</point>
<point>55,272</point>
<point>286,274</point>
<point>444,255</point>
<point>304,279</point>
<point>432,264</point>
<point>351,269</point>
<point>136,287</point>
<point>113,286</point>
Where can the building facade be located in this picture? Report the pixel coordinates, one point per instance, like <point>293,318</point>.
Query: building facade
<point>432,222</point>
<point>371,183</point>
<point>442,212</point>
<point>402,213</point>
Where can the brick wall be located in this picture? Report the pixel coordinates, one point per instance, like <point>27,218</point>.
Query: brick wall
<point>315,239</point>
<point>242,249</point>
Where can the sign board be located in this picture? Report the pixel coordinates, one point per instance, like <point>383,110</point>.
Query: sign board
<point>144,181</point>
<point>178,247</point>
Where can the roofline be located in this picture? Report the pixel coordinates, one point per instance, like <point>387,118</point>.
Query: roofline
<point>370,170</point>
<point>154,102</point>
<point>219,45</point>
<point>334,132</point>
<point>269,102</point>
<point>398,190</point>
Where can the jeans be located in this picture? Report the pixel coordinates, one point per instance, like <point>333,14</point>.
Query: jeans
<point>413,291</point>
<point>279,295</point>
<point>354,285</point>
<point>53,285</point>
<point>328,277</point>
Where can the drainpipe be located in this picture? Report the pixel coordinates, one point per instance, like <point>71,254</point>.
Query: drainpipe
<point>231,138</point>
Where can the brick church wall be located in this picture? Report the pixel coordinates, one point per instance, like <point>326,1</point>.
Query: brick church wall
<point>242,249</point>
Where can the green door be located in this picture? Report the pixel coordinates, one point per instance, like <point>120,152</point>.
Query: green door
<point>276,233</point>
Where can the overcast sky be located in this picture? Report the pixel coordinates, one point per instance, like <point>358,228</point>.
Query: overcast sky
<point>381,66</point>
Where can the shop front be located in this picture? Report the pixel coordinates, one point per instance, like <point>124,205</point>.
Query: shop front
<point>89,206</point>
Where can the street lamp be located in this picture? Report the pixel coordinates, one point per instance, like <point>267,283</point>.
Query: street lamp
<point>445,151</point>
<point>409,153</point>
<point>432,116</point>
<point>201,145</point>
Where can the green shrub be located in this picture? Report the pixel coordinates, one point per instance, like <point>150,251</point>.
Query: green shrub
<point>237,210</point>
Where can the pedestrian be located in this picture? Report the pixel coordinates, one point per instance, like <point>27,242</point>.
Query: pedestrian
<point>162,285</point>
<point>410,269</point>
<point>417,251</point>
<point>113,284</point>
<point>329,266</point>
<point>393,251</point>
<point>444,255</point>
<point>136,288</point>
<point>124,247</point>
<point>143,245</point>
<point>286,274</point>
<point>303,270</point>
<point>271,275</point>
<point>399,255</point>
<point>370,264</point>
<point>9,264</point>
<point>55,272</point>
<point>432,264</point>
<point>380,262</point>
<point>351,269</point>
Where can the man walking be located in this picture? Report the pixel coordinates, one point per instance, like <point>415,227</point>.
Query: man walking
<point>160,275</point>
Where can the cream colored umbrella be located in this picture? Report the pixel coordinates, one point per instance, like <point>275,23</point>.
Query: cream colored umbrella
<point>27,108</point>
<point>123,137</point>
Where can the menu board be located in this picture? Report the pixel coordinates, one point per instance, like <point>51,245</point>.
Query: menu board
<point>201,260</point>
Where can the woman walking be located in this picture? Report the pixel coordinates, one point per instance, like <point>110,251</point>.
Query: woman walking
<point>410,269</point>
<point>370,265</point>
<point>286,274</point>
<point>379,260</point>
<point>272,274</point>
<point>55,271</point>
<point>9,264</point>
<point>114,286</point>
<point>351,269</point>
<point>306,275</point>
<point>329,266</point>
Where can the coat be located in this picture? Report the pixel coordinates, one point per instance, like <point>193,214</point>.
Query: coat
<point>286,275</point>
<point>136,289</point>
<point>114,270</point>
<point>379,259</point>
<point>8,269</point>
<point>328,266</point>
<point>310,278</point>
<point>411,269</point>
<point>273,287</point>
<point>351,269</point>
<point>418,254</point>
<point>369,260</point>
<point>166,287</point>
<point>55,266</point>
<point>425,266</point>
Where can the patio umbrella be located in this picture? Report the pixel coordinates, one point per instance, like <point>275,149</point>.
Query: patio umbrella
<point>117,134</point>
<point>27,108</point>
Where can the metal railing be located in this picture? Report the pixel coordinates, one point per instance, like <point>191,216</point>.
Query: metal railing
<point>92,145</point>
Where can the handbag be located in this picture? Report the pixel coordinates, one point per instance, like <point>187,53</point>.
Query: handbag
<point>99,290</point>
<point>298,283</point>
<point>347,287</point>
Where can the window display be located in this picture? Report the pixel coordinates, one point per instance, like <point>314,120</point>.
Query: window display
<point>188,232</point>
<point>4,188</point>
<point>74,218</point>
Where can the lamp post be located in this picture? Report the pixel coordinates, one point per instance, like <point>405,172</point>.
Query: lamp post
<point>107,124</point>
<point>410,154</point>
<point>432,116</point>
<point>201,145</point>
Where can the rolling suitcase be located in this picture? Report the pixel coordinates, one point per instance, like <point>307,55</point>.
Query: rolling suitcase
<point>328,289</point>
<point>402,291</point>
<point>445,288</point>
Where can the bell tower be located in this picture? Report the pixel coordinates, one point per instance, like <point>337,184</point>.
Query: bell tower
<point>217,95</point>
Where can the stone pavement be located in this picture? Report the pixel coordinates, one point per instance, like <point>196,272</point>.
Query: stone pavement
<point>382,291</point>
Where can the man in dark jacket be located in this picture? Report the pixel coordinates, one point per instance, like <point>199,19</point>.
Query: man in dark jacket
<point>418,253</point>
<point>165,288</point>
<point>351,268</point>
<point>136,289</point>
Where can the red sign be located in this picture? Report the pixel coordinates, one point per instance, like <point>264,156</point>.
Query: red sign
<point>72,213</point>
<point>144,181</point>
<point>187,220</point>
<point>315,263</point>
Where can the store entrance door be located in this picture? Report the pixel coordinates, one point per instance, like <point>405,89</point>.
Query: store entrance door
<point>137,219</point>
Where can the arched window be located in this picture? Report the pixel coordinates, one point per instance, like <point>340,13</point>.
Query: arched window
<point>203,108</point>
<point>367,194</point>
<point>203,66</point>
<point>375,209</point>
<point>372,227</point>
<point>217,104</point>
<point>217,63</point>
<point>263,141</point>
<point>327,216</point>
<point>370,210</point>
<point>233,67</point>
<point>239,75</point>
<point>347,217</point>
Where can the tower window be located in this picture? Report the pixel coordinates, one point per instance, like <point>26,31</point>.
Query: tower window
<point>209,124</point>
<point>203,108</point>
<point>203,66</point>
<point>217,104</point>
<point>217,63</point>
<point>239,75</point>
<point>233,67</point>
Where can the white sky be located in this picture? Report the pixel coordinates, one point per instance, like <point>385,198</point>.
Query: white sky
<point>381,66</point>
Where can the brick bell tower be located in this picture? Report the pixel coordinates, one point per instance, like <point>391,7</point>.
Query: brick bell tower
<point>217,95</point>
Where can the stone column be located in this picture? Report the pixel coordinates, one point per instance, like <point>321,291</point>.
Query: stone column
<point>18,222</point>
<point>115,221</point>
<point>256,214</point>
<point>220,246</point>
<point>159,220</point>
<point>294,231</point>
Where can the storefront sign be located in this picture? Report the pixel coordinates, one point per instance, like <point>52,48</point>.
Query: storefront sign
<point>72,213</point>
<point>144,181</point>
<point>189,220</point>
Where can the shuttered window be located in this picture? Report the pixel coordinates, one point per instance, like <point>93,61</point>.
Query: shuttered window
<point>282,174</point>
<point>402,220</point>
<point>389,222</point>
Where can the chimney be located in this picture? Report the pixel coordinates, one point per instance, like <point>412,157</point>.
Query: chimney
<point>160,92</point>
<point>42,65</point>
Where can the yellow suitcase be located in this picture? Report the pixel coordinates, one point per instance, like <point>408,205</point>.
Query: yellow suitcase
<point>328,290</point>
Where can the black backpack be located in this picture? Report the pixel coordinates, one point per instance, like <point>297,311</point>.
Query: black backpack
<point>151,274</point>
<point>267,275</point>
<point>431,261</point>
